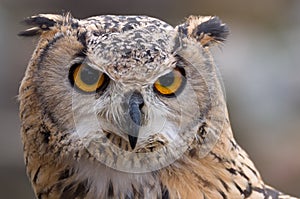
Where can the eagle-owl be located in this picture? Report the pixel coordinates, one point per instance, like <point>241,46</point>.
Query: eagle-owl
<point>130,107</point>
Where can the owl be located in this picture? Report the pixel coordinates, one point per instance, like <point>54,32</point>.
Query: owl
<point>130,107</point>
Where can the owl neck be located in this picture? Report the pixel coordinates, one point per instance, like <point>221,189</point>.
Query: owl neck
<point>226,172</point>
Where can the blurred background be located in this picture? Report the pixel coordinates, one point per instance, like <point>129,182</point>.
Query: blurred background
<point>260,64</point>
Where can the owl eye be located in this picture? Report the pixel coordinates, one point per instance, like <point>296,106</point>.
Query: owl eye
<point>86,79</point>
<point>171,84</point>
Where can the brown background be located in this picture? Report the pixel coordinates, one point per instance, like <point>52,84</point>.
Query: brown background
<point>259,63</point>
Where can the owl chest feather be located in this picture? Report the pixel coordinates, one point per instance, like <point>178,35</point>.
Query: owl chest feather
<point>88,181</point>
<point>211,177</point>
<point>180,180</point>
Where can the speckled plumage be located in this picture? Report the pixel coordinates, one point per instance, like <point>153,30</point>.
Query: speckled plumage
<point>76,145</point>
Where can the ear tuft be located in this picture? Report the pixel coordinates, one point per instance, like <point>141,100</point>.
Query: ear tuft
<point>205,29</point>
<point>41,23</point>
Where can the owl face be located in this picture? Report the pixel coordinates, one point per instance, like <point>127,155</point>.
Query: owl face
<point>132,90</point>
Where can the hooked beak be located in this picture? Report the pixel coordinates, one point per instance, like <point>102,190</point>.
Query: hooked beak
<point>136,103</point>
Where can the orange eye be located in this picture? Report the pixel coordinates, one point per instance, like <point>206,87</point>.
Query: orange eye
<point>171,84</point>
<point>87,79</point>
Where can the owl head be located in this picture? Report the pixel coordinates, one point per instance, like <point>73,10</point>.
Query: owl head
<point>133,92</point>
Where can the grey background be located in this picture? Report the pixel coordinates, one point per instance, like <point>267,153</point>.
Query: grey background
<point>259,63</point>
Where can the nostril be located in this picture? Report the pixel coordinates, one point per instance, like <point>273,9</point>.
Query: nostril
<point>141,106</point>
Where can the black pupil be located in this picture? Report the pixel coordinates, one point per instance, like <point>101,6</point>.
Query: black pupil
<point>167,80</point>
<point>89,75</point>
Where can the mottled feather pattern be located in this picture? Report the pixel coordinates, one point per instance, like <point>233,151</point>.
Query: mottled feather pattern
<point>134,51</point>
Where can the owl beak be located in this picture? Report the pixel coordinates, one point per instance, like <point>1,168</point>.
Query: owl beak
<point>136,103</point>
